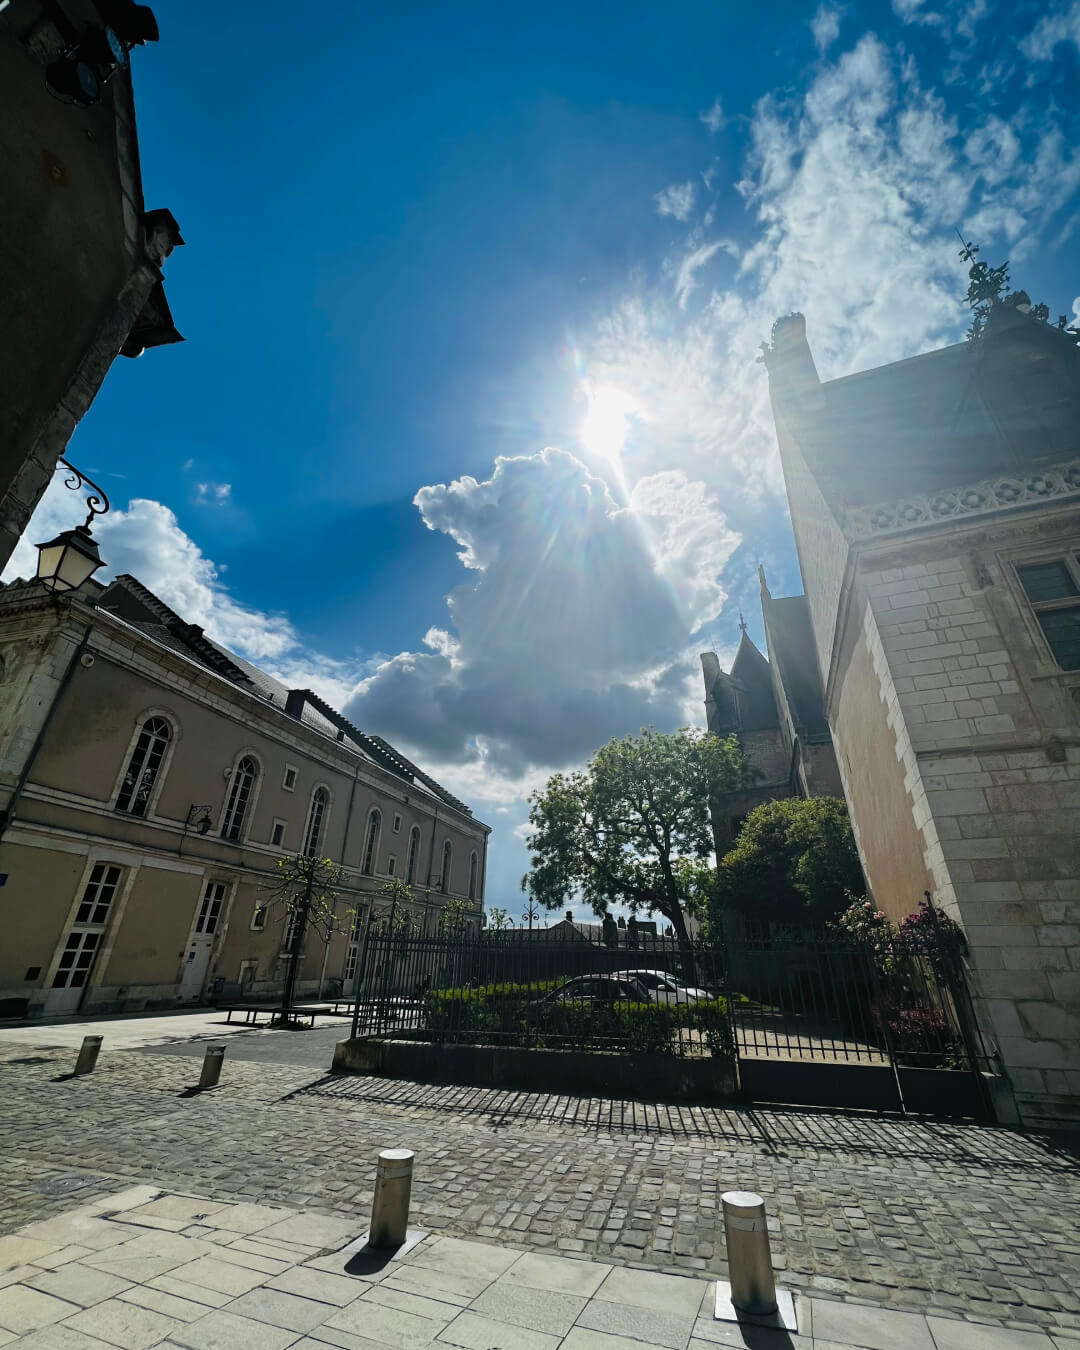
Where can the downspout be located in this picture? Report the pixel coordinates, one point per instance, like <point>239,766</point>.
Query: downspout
<point>39,740</point>
<point>344,845</point>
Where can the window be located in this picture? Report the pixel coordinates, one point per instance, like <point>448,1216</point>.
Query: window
<point>289,781</point>
<point>474,868</point>
<point>371,839</point>
<point>277,833</point>
<point>258,918</point>
<point>77,959</point>
<point>316,821</point>
<point>349,973</point>
<point>1054,591</point>
<point>414,853</point>
<point>397,822</point>
<point>243,780</point>
<point>98,896</point>
<point>210,909</point>
<point>447,859</point>
<point>142,769</point>
<point>391,866</point>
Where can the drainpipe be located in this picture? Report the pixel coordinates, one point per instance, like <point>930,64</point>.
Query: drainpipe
<point>39,740</point>
<point>431,851</point>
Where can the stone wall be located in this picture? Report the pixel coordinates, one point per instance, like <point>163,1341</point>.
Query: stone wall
<point>993,779</point>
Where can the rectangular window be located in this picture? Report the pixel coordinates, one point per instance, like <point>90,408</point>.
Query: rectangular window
<point>98,896</point>
<point>210,910</point>
<point>289,781</point>
<point>391,865</point>
<point>1053,588</point>
<point>277,833</point>
<point>397,823</point>
<point>258,918</point>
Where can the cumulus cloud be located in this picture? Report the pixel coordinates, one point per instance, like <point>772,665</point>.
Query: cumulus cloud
<point>1052,29</point>
<point>576,624</point>
<point>676,200</point>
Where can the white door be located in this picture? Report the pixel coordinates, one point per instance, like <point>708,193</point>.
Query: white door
<point>83,942</point>
<point>76,963</point>
<point>197,960</point>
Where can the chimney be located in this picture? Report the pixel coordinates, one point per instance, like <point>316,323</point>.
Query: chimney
<point>793,377</point>
<point>569,916</point>
<point>295,701</point>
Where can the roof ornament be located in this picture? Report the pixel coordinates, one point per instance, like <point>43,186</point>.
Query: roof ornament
<point>742,623</point>
<point>987,288</point>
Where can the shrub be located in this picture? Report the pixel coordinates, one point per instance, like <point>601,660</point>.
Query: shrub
<point>922,1036</point>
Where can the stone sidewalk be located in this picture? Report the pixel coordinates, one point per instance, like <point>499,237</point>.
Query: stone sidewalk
<point>951,1219</point>
<point>142,1268</point>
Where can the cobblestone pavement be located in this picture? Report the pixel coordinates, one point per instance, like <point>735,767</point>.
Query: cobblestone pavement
<point>974,1222</point>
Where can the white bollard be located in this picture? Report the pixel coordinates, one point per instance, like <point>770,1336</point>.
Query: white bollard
<point>88,1053</point>
<point>390,1207</point>
<point>753,1289</point>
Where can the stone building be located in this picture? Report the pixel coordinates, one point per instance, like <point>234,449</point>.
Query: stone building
<point>80,266</point>
<point>149,782</point>
<point>936,510</point>
<point>776,708</point>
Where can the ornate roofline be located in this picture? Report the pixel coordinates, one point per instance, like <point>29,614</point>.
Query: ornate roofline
<point>1003,492</point>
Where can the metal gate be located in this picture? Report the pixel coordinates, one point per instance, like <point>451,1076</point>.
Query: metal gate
<point>820,1019</point>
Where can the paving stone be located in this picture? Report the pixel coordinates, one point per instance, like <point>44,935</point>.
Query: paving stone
<point>456,1257</point>
<point>281,1309</point>
<point>319,1284</point>
<point>561,1276</point>
<point>226,1331</point>
<point>434,1284</point>
<point>584,1338</point>
<point>952,1335</point>
<point>58,1337</point>
<point>390,1326</point>
<point>247,1218</point>
<point>20,1251</point>
<point>315,1230</point>
<point>61,1258</point>
<point>473,1332</point>
<point>641,1324</point>
<point>156,1300</point>
<point>184,1209</point>
<point>124,1324</point>
<point>644,1289</point>
<point>224,1277</point>
<point>881,1328</point>
<point>86,1229</point>
<point>536,1309</point>
<point>191,1293</point>
<point>79,1284</point>
<point>23,1309</point>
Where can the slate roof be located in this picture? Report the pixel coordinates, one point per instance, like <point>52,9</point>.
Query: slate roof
<point>752,675</point>
<point>1007,403</point>
<point>791,645</point>
<point>128,599</point>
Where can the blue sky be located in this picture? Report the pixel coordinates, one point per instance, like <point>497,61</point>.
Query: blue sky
<point>468,431</point>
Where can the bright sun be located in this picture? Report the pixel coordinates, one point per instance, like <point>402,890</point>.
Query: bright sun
<point>603,433</point>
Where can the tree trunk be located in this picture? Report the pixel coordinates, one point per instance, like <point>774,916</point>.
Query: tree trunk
<point>686,948</point>
<point>294,956</point>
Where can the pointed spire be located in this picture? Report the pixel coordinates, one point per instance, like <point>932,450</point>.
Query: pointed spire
<point>742,623</point>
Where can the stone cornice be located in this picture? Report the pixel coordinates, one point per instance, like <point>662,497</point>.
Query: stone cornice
<point>1003,492</point>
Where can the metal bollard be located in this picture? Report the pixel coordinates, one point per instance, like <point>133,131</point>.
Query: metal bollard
<point>390,1207</point>
<point>753,1289</point>
<point>88,1053</point>
<point>211,1066</point>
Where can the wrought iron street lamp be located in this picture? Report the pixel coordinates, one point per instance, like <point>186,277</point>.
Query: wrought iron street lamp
<point>67,561</point>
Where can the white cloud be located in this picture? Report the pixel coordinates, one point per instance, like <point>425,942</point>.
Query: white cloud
<point>1051,30</point>
<point>686,278</point>
<point>214,494</point>
<point>825,26</point>
<point>676,200</point>
<point>714,117</point>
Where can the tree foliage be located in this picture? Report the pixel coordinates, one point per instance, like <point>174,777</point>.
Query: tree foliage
<point>633,827</point>
<point>305,893</point>
<point>794,861</point>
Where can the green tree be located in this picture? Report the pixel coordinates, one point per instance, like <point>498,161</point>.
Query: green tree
<point>794,861</point>
<point>498,919</point>
<point>454,917</point>
<point>633,827</point>
<point>396,918</point>
<point>305,894</point>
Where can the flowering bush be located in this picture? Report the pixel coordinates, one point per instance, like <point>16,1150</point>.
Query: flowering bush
<point>867,925</point>
<point>930,933</point>
<point>921,1036</point>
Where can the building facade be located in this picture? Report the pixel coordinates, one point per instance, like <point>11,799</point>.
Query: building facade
<point>150,781</point>
<point>776,708</point>
<point>80,266</point>
<point>936,509</point>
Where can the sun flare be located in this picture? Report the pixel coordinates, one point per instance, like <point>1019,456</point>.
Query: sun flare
<point>604,431</point>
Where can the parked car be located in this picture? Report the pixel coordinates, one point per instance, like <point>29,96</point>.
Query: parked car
<point>663,987</point>
<point>599,989</point>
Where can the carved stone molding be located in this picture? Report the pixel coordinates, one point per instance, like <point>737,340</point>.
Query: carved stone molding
<point>992,494</point>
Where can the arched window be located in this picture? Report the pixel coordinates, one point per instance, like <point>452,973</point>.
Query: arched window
<point>243,781</point>
<point>414,854</point>
<point>316,821</point>
<point>447,859</point>
<point>142,769</point>
<point>474,866</point>
<point>371,840</point>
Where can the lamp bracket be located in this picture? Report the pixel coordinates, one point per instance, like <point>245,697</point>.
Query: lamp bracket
<point>97,501</point>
